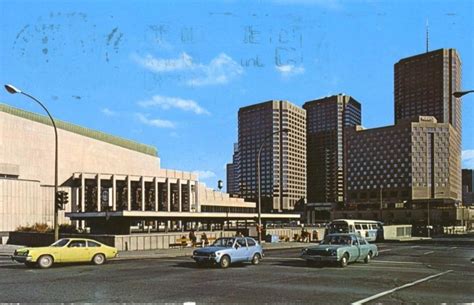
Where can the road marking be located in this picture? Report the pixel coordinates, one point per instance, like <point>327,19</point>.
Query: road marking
<point>378,295</point>
<point>429,252</point>
<point>385,250</point>
<point>396,262</point>
<point>415,246</point>
<point>452,248</point>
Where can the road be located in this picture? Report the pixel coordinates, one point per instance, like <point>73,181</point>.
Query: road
<point>437,274</point>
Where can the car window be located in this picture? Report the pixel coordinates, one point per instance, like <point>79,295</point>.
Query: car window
<point>241,242</point>
<point>91,243</point>
<point>224,242</point>
<point>60,243</point>
<point>362,241</point>
<point>77,244</point>
<point>336,240</point>
<point>250,242</point>
<point>354,240</point>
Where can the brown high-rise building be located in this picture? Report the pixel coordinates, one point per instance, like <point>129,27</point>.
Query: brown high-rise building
<point>325,124</point>
<point>424,85</point>
<point>283,158</point>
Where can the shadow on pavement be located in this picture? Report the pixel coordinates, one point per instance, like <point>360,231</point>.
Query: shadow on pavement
<point>193,265</point>
<point>302,263</point>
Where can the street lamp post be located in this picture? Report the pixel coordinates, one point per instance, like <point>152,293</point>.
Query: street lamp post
<point>459,94</point>
<point>11,89</point>
<point>259,204</point>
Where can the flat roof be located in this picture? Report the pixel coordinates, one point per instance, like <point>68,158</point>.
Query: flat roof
<point>83,131</point>
<point>180,215</point>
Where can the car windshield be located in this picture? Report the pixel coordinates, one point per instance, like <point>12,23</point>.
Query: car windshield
<point>224,242</point>
<point>336,240</point>
<point>60,243</point>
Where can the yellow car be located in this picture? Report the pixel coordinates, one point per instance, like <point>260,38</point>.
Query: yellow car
<point>66,250</point>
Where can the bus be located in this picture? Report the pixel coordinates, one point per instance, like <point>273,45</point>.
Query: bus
<point>371,230</point>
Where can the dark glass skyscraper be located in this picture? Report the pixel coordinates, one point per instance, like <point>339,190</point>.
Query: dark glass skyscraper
<point>326,121</point>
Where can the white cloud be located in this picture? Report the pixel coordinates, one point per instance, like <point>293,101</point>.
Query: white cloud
<point>155,122</point>
<point>166,102</point>
<point>165,65</point>
<point>108,112</point>
<point>289,70</point>
<point>468,158</point>
<point>204,174</point>
<point>220,70</point>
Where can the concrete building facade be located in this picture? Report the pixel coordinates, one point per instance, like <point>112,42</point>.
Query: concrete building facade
<point>102,174</point>
<point>326,120</point>
<point>283,158</point>
<point>410,162</point>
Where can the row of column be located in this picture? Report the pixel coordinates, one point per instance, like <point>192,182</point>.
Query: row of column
<point>113,194</point>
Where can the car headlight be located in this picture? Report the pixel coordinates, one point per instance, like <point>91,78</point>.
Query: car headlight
<point>194,253</point>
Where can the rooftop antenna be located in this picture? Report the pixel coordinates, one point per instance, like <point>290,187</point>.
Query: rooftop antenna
<point>427,35</point>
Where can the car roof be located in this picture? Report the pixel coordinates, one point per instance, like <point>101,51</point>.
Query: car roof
<point>80,238</point>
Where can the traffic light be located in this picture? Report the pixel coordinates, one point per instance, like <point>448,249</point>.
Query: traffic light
<point>61,199</point>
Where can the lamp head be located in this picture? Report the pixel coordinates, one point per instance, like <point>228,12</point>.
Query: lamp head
<point>12,89</point>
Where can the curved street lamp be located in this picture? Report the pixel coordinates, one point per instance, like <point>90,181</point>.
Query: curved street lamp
<point>458,94</point>
<point>259,204</point>
<point>13,90</point>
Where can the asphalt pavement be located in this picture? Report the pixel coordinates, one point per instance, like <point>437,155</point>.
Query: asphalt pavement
<point>403,273</point>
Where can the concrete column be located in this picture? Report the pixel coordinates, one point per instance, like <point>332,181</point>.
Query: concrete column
<point>190,199</point>
<point>99,193</point>
<point>114,193</point>
<point>83,193</point>
<point>180,199</point>
<point>155,183</point>
<point>196,196</point>
<point>142,180</point>
<point>129,192</point>
<point>168,194</point>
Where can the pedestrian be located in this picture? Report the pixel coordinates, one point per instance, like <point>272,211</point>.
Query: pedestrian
<point>193,238</point>
<point>204,239</point>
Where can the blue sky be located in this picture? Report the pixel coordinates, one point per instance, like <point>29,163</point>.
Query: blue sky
<point>173,74</point>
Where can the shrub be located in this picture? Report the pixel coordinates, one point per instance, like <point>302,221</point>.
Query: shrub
<point>37,227</point>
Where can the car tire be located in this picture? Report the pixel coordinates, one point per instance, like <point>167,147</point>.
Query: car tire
<point>30,264</point>
<point>98,259</point>
<point>368,257</point>
<point>224,262</point>
<point>45,261</point>
<point>256,259</point>
<point>344,260</point>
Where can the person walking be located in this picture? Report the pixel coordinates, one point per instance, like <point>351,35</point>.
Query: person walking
<point>204,239</point>
<point>193,238</point>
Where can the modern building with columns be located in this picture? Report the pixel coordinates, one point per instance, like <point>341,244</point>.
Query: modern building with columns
<point>113,183</point>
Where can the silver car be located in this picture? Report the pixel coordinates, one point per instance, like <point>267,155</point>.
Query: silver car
<point>227,250</point>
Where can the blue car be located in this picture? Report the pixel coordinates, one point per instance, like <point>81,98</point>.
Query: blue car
<point>227,250</point>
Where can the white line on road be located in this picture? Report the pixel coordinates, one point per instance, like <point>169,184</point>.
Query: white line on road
<point>376,296</point>
<point>396,262</point>
<point>452,248</point>
<point>385,250</point>
<point>429,252</point>
<point>415,246</point>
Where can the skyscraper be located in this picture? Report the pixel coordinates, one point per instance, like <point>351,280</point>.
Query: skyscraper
<point>424,86</point>
<point>283,158</point>
<point>233,173</point>
<point>326,121</point>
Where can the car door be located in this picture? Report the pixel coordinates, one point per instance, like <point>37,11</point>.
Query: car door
<point>75,251</point>
<point>363,248</point>
<point>355,249</point>
<point>240,250</point>
<point>252,248</point>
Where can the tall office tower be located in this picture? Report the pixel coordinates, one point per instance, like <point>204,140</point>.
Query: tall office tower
<point>283,158</point>
<point>325,124</point>
<point>424,85</point>
<point>233,172</point>
<point>467,187</point>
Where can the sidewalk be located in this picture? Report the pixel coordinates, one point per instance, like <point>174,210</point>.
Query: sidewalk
<point>188,251</point>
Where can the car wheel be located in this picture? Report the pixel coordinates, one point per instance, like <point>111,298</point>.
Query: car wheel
<point>225,262</point>
<point>256,259</point>
<point>98,259</point>
<point>45,261</point>
<point>368,258</point>
<point>30,264</point>
<point>344,260</point>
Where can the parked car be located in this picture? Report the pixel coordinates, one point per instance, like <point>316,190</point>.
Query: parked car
<point>66,250</point>
<point>228,250</point>
<point>341,249</point>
